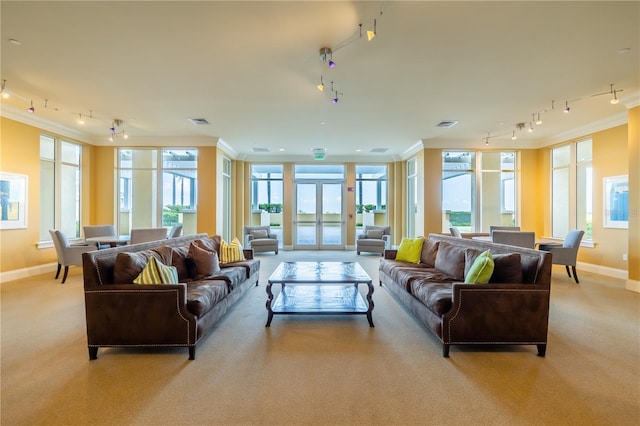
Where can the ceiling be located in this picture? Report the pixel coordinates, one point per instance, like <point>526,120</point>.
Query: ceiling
<point>251,69</point>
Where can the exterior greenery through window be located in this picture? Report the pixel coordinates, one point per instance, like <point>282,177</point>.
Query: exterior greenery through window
<point>59,187</point>
<point>572,189</point>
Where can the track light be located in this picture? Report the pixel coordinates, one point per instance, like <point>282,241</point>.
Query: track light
<point>539,120</point>
<point>513,136</point>
<point>335,100</point>
<point>80,119</point>
<point>372,34</point>
<point>332,64</point>
<point>530,129</point>
<point>3,90</point>
<point>614,100</point>
<point>113,130</point>
<point>321,85</point>
<point>325,56</point>
<point>566,107</point>
<point>31,109</point>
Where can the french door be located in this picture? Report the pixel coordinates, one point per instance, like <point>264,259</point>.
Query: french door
<point>319,219</point>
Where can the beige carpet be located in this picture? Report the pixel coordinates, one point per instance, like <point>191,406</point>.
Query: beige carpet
<point>316,370</point>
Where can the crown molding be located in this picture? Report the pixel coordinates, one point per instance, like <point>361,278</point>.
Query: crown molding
<point>596,126</point>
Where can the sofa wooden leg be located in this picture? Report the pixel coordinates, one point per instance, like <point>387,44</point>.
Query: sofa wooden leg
<point>93,352</point>
<point>445,350</point>
<point>64,277</point>
<point>542,350</point>
<point>58,271</point>
<point>575,275</point>
<point>192,353</point>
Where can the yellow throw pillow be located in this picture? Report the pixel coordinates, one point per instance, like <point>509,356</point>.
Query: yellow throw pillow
<point>410,250</point>
<point>231,252</point>
<point>156,272</point>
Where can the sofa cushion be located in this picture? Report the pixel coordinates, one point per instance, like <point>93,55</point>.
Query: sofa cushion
<point>251,266</point>
<point>450,260</point>
<point>156,272</point>
<point>203,295</point>
<point>481,270</point>
<point>375,234</point>
<point>428,253</point>
<point>183,263</point>
<point>231,252</point>
<point>406,276</point>
<point>507,269</point>
<point>210,243</point>
<point>259,233</point>
<point>128,265</point>
<point>205,262</point>
<point>232,275</point>
<point>409,250</point>
<point>435,296</point>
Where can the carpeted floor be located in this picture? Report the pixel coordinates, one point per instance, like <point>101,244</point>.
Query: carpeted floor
<point>322,370</point>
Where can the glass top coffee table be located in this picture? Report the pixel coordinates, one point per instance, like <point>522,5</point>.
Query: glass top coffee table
<point>319,288</point>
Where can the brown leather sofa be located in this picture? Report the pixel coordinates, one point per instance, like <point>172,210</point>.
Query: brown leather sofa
<point>512,309</point>
<point>122,314</point>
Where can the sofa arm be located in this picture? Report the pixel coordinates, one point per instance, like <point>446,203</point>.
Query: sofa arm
<point>497,313</point>
<point>139,315</point>
<point>390,253</point>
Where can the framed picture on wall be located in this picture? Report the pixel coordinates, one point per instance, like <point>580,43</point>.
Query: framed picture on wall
<point>616,202</point>
<point>13,206</point>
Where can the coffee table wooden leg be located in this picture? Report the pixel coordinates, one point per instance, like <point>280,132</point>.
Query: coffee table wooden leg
<point>370,303</point>
<point>269,310</point>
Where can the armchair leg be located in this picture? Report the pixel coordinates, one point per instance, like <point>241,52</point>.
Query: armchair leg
<point>568,273</point>
<point>64,277</point>
<point>575,276</point>
<point>58,271</point>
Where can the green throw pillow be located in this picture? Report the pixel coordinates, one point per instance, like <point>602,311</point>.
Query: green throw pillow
<point>156,272</point>
<point>481,269</point>
<point>410,250</point>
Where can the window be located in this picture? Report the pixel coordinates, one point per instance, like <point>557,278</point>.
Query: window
<point>226,199</point>
<point>412,196</point>
<point>371,195</point>
<point>478,190</point>
<point>157,188</point>
<point>59,187</point>
<point>266,197</point>
<point>458,190</point>
<point>572,189</point>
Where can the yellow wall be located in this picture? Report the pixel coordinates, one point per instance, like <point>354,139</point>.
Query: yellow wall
<point>633,133</point>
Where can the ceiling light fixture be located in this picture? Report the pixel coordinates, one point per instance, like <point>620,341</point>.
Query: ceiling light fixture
<point>539,120</point>
<point>321,85</point>
<point>325,56</point>
<point>614,92</point>
<point>566,107</point>
<point>114,132</point>
<point>3,90</point>
<point>80,119</point>
<point>530,129</point>
<point>513,136</point>
<point>335,100</point>
<point>372,34</point>
<point>31,109</point>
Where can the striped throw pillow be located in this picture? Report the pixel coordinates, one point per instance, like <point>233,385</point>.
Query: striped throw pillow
<point>156,272</point>
<point>231,252</point>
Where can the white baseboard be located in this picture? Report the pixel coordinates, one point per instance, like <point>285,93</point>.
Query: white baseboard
<point>633,285</point>
<point>603,270</point>
<point>31,271</point>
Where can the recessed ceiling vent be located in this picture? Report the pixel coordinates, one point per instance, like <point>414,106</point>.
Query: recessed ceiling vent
<point>260,149</point>
<point>447,124</point>
<point>379,150</point>
<point>199,121</point>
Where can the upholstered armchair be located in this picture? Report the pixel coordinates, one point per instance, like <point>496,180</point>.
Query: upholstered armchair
<point>260,239</point>
<point>143,235</point>
<point>68,254</point>
<point>566,253</point>
<point>174,232</point>
<point>374,239</point>
<point>502,228</point>
<point>455,232</point>
<point>514,238</point>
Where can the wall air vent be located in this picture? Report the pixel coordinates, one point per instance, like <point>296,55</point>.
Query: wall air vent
<point>259,149</point>
<point>378,150</point>
<point>447,124</point>
<point>199,121</point>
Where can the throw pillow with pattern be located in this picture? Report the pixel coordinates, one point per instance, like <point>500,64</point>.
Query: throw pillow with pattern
<point>156,272</point>
<point>231,252</point>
